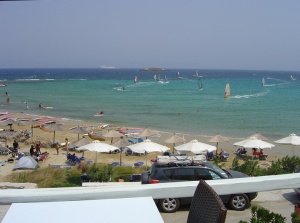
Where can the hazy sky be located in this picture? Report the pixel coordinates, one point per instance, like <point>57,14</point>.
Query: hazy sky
<point>197,34</point>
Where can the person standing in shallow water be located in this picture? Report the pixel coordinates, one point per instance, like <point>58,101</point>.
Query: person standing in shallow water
<point>67,145</point>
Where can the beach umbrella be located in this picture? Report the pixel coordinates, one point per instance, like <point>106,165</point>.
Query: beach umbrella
<point>195,147</point>
<point>9,121</point>
<point>292,140</point>
<point>259,136</point>
<point>79,130</point>
<point>148,132</point>
<point>112,134</point>
<point>98,147</point>
<point>52,128</point>
<point>8,135</point>
<point>26,121</point>
<point>79,143</point>
<point>96,136</point>
<point>147,146</point>
<point>254,143</point>
<point>121,143</point>
<point>38,139</point>
<point>175,139</point>
<point>218,138</point>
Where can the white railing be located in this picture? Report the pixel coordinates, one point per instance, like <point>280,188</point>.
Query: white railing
<point>162,190</point>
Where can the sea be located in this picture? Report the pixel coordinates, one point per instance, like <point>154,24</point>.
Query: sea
<point>174,105</point>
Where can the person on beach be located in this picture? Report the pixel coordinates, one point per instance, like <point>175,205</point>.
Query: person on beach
<point>15,148</point>
<point>7,100</point>
<point>38,148</point>
<point>32,150</point>
<point>67,145</point>
<point>57,148</point>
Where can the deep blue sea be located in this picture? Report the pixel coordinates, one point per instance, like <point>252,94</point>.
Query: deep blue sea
<point>175,106</point>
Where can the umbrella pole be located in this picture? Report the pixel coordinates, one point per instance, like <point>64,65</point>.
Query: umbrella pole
<point>121,157</point>
<point>173,147</point>
<point>54,137</point>
<point>31,130</point>
<point>78,136</point>
<point>146,160</point>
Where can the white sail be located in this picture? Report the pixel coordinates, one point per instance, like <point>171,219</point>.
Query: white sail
<point>166,80</point>
<point>263,82</point>
<point>292,78</point>
<point>155,77</point>
<point>135,79</point>
<point>227,91</point>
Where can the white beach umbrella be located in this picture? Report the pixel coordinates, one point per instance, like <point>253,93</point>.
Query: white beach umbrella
<point>195,147</point>
<point>147,146</point>
<point>79,143</point>
<point>292,139</point>
<point>98,147</point>
<point>254,143</point>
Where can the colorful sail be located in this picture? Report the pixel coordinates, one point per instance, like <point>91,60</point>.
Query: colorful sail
<point>227,91</point>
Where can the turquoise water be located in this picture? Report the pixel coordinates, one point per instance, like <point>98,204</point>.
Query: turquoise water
<point>78,94</point>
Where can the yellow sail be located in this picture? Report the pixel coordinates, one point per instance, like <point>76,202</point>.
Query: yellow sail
<point>227,91</point>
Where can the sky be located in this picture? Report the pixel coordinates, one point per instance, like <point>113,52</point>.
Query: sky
<point>194,34</point>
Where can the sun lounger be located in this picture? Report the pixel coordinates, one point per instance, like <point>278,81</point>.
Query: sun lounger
<point>137,164</point>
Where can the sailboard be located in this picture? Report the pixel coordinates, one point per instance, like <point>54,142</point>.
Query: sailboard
<point>292,78</point>
<point>263,82</point>
<point>135,79</point>
<point>227,91</point>
<point>200,86</point>
<point>155,78</point>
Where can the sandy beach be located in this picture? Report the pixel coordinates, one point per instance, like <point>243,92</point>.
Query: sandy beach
<point>53,159</point>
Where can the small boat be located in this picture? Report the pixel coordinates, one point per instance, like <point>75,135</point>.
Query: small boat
<point>292,78</point>
<point>227,91</point>
<point>263,82</point>
<point>135,79</point>
<point>2,85</point>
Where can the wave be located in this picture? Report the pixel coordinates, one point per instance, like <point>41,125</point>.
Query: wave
<point>250,95</point>
<point>28,79</point>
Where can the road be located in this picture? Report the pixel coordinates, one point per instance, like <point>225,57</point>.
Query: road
<point>279,201</point>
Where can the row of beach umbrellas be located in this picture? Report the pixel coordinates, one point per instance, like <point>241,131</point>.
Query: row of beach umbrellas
<point>147,146</point>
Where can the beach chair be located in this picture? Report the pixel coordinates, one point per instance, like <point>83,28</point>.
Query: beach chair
<point>128,152</point>
<point>115,163</point>
<point>206,206</point>
<point>210,155</point>
<point>225,157</point>
<point>137,164</point>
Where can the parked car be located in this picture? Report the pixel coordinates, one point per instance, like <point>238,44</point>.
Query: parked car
<point>205,170</point>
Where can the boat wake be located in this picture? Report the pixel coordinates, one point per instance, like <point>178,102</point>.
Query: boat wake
<point>250,95</point>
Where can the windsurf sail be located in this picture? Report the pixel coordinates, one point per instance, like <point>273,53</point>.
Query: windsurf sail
<point>292,78</point>
<point>263,82</point>
<point>155,78</point>
<point>166,80</point>
<point>135,79</point>
<point>200,86</point>
<point>178,75</point>
<point>227,91</point>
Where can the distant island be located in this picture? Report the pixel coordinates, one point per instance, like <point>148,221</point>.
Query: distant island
<point>153,69</point>
<point>106,67</point>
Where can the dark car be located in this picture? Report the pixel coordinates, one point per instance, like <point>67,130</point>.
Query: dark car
<point>206,171</point>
